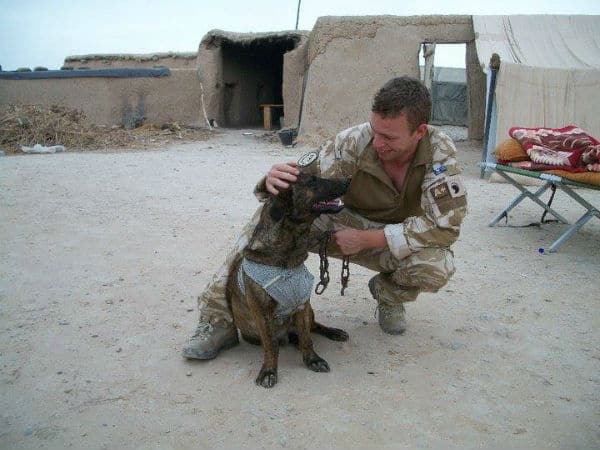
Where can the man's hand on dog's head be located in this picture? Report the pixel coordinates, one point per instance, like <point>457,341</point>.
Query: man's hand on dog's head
<point>280,176</point>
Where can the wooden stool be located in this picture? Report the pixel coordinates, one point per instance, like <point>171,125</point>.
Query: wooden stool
<point>267,116</point>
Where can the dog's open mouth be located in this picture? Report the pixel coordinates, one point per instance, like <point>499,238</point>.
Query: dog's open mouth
<point>329,206</point>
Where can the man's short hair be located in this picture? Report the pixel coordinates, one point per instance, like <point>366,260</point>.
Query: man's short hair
<point>404,95</point>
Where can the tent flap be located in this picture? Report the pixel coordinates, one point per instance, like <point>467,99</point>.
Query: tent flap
<point>539,41</point>
<point>549,72</point>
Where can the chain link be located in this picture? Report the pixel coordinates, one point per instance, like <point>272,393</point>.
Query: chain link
<point>345,273</point>
<point>323,264</point>
<point>324,267</point>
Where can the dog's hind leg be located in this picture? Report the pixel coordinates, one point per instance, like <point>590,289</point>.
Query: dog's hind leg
<point>258,302</point>
<point>335,334</point>
<point>302,321</point>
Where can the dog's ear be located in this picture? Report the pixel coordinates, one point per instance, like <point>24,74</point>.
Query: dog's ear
<point>279,204</point>
<point>276,212</point>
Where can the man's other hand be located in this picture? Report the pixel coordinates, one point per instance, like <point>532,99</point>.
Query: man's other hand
<point>351,241</point>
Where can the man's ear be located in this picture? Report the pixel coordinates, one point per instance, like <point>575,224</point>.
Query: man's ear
<point>421,130</point>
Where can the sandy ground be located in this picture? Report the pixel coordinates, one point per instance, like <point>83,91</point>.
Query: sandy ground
<point>103,255</point>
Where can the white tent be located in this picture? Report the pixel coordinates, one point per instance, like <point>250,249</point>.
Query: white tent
<point>549,74</point>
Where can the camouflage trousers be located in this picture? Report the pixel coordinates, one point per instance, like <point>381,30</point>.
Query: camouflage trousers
<point>427,270</point>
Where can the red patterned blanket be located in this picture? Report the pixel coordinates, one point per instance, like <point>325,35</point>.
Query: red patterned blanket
<point>568,147</point>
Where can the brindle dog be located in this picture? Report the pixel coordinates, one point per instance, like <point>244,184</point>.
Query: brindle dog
<point>281,239</point>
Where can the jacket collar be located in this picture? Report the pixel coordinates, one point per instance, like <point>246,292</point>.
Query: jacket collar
<point>372,165</point>
<point>423,154</point>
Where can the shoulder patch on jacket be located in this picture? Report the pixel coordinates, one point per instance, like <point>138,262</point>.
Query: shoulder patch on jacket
<point>446,195</point>
<point>307,159</point>
<point>455,186</point>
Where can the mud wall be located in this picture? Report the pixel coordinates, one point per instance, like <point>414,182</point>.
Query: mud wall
<point>209,66</point>
<point>105,61</point>
<point>110,101</point>
<point>351,57</point>
<point>327,84</point>
<point>294,71</point>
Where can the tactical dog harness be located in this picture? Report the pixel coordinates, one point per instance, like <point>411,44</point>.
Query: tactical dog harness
<point>290,288</point>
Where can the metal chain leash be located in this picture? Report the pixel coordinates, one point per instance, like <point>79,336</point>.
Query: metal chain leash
<point>345,273</point>
<point>324,267</point>
<point>323,264</point>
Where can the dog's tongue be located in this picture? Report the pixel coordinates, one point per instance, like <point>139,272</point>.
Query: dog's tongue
<point>330,205</point>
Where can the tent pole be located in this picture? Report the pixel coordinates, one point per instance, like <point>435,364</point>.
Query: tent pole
<point>494,67</point>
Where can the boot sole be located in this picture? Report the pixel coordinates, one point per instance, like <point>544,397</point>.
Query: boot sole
<point>393,332</point>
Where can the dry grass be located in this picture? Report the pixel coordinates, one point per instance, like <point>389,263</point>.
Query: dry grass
<point>27,125</point>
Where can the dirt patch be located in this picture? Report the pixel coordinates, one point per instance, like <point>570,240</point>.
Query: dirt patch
<point>103,255</point>
<point>27,125</point>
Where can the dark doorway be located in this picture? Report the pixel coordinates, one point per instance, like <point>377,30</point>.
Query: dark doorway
<point>253,76</point>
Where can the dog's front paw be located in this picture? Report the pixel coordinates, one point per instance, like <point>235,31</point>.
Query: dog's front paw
<point>316,364</point>
<point>267,378</point>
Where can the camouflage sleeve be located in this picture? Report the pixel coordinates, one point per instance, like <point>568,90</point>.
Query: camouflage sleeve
<point>260,190</point>
<point>339,158</point>
<point>443,200</point>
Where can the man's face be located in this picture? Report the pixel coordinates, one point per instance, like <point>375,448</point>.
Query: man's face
<point>393,139</point>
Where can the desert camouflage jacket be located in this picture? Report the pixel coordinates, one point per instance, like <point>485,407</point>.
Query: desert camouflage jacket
<point>429,209</point>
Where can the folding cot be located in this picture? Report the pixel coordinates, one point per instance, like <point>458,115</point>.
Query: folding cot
<point>551,181</point>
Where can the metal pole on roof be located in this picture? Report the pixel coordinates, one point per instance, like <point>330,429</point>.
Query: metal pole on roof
<point>298,13</point>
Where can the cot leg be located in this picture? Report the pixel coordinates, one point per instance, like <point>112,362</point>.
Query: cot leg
<point>526,193</point>
<point>572,230</point>
<point>518,199</point>
<point>591,212</point>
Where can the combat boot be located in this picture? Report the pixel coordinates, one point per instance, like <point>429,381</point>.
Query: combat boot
<point>208,340</point>
<point>391,313</point>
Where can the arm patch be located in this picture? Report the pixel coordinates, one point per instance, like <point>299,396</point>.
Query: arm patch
<point>447,195</point>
